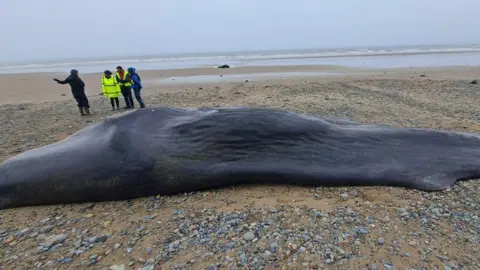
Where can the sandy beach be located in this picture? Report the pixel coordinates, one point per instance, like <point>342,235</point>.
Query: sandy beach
<point>252,227</point>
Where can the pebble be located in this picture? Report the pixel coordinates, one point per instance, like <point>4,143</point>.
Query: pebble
<point>118,267</point>
<point>43,221</point>
<point>46,229</point>
<point>381,241</point>
<point>67,260</point>
<point>24,231</point>
<point>9,239</point>
<point>56,239</point>
<point>388,266</point>
<point>249,236</point>
<point>101,239</point>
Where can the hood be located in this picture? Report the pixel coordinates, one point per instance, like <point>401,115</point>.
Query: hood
<point>74,72</point>
<point>131,70</point>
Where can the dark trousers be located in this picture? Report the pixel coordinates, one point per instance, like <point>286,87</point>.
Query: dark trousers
<point>82,100</point>
<point>138,97</point>
<point>114,101</point>
<point>127,95</point>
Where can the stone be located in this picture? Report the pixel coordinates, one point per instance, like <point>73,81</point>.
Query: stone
<point>381,241</point>
<point>67,260</point>
<point>101,239</point>
<point>118,267</point>
<point>46,229</point>
<point>9,239</point>
<point>249,236</point>
<point>24,231</point>
<point>57,239</point>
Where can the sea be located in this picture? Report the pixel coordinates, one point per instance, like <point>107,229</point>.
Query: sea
<point>375,57</point>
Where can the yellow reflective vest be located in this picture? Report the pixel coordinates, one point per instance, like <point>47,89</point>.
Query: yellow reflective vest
<point>125,74</point>
<point>110,87</point>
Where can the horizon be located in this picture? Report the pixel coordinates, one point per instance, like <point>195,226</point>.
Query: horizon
<point>140,56</point>
<point>54,29</point>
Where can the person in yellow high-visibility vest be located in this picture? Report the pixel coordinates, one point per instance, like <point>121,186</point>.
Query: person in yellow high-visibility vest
<point>122,77</point>
<point>111,88</point>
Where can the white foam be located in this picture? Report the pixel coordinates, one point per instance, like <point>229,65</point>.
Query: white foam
<point>210,60</point>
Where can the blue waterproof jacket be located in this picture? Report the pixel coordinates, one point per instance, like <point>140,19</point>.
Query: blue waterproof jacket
<point>136,81</point>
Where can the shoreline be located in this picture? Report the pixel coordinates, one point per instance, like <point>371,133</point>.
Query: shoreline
<point>351,59</point>
<point>39,87</point>
<point>256,54</point>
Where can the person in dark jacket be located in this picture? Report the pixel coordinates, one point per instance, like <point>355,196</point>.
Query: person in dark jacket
<point>136,85</point>
<point>78,91</point>
<point>125,86</point>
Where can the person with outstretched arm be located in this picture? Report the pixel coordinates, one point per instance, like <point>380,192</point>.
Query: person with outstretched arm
<point>136,85</point>
<point>78,91</point>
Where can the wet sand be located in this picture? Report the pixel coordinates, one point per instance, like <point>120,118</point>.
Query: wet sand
<point>40,87</point>
<point>293,228</point>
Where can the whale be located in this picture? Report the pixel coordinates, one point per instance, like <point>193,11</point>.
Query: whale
<point>169,150</point>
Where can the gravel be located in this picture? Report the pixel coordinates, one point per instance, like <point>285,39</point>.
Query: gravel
<point>248,227</point>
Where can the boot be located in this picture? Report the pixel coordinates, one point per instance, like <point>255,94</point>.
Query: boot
<point>87,110</point>
<point>81,111</point>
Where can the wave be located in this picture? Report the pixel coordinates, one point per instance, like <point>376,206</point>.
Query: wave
<point>222,58</point>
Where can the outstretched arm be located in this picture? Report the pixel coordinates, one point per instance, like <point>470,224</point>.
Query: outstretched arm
<point>62,82</point>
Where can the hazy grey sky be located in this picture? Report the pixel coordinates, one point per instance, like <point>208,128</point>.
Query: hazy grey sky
<point>58,28</point>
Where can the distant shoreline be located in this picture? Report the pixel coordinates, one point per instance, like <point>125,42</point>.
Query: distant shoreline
<point>265,52</point>
<point>351,58</point>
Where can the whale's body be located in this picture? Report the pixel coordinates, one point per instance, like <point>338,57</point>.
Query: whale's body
<point>171,150</point>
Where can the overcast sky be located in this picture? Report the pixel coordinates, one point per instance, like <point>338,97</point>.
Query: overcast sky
<point>49,29</point>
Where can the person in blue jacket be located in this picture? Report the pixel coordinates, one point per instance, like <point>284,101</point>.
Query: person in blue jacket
<point>136,85</point>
